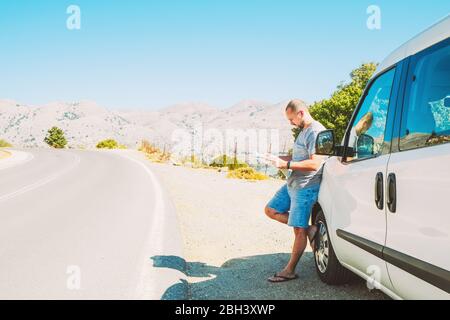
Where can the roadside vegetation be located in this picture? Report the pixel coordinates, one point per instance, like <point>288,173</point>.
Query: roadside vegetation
<point>5,144</point>
<point>55,138</point>
<point>229,162</point>
<point>236,169</point>
<point>247,173</point>
<point>192,162</point>
<point>153,153</point>
<point>109,144</point>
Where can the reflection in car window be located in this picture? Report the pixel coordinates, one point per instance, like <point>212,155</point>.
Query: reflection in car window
<point>427,110</point>
<point>367,132</point>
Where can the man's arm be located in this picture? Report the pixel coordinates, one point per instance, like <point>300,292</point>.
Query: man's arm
<point>286,158</point>
<point>312,164</point>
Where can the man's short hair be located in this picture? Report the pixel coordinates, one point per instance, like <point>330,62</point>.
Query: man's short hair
<point>296,105</point>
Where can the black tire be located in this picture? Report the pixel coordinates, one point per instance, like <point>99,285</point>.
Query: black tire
<point>332,272</point>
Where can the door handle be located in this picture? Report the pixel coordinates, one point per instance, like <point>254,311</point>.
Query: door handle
<point>392,193</point>
<point>379,192</point>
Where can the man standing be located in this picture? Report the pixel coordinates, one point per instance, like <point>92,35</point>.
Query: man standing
<point>292,204</point>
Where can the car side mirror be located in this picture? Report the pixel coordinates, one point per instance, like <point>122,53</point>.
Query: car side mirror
<point>447,102</point>
<point>364,146</point>
<point>325,143</point>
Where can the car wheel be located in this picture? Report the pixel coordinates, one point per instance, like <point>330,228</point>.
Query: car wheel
<point>327,264</point>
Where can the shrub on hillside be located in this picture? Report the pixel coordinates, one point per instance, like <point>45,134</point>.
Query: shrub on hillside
<point>55,138</point>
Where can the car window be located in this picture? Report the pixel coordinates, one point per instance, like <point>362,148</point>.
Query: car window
<point>426,118</point>
<point>367,131</point>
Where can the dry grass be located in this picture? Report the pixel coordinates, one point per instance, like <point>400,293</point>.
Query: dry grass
<point>153,153</point>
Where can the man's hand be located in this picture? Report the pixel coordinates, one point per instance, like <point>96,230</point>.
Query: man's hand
<point>276,161</point>
<point>312,164</point>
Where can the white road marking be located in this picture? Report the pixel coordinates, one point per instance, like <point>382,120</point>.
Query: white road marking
<point>149,286</point>
<point>158,207</point>
<point>41,182</point>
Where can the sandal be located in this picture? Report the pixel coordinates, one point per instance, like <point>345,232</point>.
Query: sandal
<point>277,278</point>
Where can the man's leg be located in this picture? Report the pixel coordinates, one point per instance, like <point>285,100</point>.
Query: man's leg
<point>284,218</point>
<point>297,251</point>
<point>302,201</point>
<point>277,216</point>
<point>279,205</point>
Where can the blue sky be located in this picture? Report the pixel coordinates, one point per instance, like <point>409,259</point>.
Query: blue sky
<point>150,54</point>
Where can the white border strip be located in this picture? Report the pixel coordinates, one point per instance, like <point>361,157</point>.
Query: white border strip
<point>148,285</point>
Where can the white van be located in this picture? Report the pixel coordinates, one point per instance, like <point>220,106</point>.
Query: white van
<point>384,203</point>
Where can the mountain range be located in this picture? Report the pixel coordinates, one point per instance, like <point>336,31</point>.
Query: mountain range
<point>85,123</point>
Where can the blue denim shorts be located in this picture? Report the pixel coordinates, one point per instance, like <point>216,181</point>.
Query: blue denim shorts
<point>298,202</point>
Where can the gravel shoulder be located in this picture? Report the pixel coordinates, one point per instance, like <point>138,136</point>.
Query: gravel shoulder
<point>13,157</point>
<point>231,247</point>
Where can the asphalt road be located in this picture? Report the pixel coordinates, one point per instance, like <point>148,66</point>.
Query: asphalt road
<point>83,225</point>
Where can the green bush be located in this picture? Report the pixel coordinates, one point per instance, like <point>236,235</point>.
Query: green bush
<point>335,113</point>
<point>247,173</point>
<point>109,144</point>
<point>55,138</point>
<point>5,144</point>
